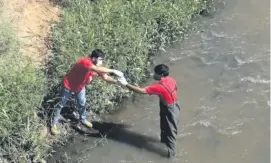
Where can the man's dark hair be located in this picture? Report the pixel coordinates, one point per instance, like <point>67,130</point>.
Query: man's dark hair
<point>97,53</point>
<point>162,69</point>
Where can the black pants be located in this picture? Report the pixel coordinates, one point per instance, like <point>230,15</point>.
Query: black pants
<point>169,121</point>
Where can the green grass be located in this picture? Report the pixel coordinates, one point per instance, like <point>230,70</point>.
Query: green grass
<point>21,92</point>
<point>129,32</point>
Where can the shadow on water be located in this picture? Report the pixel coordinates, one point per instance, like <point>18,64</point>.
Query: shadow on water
<point>121,133</point>
<point>103,128</point>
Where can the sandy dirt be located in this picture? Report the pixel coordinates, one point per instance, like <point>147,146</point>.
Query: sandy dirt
<point>32,20</point>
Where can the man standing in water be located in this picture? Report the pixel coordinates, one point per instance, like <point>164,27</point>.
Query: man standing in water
<point>166,89</point>
<point>82,73</point>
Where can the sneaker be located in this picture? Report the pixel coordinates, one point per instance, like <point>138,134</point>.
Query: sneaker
<point>55,130</point>
<point>87,124</point>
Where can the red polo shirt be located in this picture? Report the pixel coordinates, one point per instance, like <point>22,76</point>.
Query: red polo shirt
<point>79,76</point>
<point>162,92</point>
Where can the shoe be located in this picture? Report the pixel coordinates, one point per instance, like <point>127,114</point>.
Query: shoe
<point>55,130</point>
<point>87,124</point>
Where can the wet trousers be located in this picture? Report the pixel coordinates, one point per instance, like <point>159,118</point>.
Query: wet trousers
<point>169,121</point>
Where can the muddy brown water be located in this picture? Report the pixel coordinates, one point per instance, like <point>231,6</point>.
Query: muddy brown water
<point>224,85</point>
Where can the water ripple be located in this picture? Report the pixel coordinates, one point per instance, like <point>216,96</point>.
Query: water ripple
<point>255,80</point>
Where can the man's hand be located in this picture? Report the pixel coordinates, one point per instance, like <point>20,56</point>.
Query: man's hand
<point>117,72</point>
<point>122,81</point>
<point>109,79</point>
<point>136,89</point>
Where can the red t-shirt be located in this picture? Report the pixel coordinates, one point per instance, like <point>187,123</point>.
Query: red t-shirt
<point>79,76</point>
<point>162,92</point>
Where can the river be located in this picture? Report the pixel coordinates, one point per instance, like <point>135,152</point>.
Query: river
<point>223,76</point>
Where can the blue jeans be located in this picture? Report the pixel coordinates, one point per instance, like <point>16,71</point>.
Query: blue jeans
<point>81,101</point>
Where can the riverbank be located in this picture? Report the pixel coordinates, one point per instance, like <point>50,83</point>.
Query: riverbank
<point>24,29</point>
<point>223,73</point>
<point>130,35</point>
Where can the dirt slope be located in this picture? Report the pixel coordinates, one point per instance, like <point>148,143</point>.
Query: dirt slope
<point>32,20</point>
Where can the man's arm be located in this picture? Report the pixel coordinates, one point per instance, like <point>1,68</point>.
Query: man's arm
<point>136,89</point>
<point>152,89</point>
<point>100,69</point>
<point>109,79</point>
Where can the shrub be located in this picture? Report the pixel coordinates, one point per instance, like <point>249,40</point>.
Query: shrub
<point>21,92</point>
<point>129,32</point>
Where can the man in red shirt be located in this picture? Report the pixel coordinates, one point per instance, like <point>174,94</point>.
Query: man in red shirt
<point>166,89</point>
<point>81,74</point>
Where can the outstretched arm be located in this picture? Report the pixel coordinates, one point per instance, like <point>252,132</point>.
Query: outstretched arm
<point>132,87</point>
<point>100,69</point>
<point>109,79</point>
<point>136,89</point>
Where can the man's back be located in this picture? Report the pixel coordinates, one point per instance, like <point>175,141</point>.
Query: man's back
<point>79,75</point>
<point>166,89</point>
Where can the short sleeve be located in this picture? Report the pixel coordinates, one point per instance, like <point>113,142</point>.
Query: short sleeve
<point>87,63</point>
<point>153,89</point>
